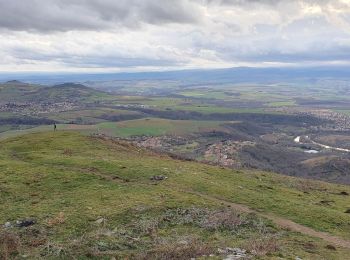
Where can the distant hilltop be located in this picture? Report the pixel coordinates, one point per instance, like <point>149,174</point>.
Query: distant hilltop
<point>16,82</point>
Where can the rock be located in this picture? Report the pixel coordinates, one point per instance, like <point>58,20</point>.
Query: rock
<point>298,258</point>
<point>158,178</point>
<point>233,253</point>
<point>344,193</point>
<point>25,222</point>
<point>100,221</point>
<point>347,211</point>
<point>222,251</point>
<point>7,225</point>
<point>234,257</point>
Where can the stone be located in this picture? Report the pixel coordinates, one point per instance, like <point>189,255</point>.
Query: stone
<point>7,225</point>
<point>158,178</point>
<point>233,253</point>
<point>100,221</point>
<point>234,257</point>
<point>25,223</point>
<point>222,251</point>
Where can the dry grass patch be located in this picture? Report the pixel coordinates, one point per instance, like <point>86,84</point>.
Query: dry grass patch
<point>9,245</point>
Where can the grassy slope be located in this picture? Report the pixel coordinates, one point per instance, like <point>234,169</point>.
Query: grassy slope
<point>148,126</point>
<point>156,126</point>
<point>16,91</point>
<point>44,174</point>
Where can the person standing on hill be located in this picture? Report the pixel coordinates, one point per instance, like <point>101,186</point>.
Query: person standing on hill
<point>54,127</point>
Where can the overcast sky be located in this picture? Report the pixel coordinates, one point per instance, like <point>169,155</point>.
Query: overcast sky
<point>128,35</point>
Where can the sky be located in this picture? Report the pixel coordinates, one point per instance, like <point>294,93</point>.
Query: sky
<point>151,35</point>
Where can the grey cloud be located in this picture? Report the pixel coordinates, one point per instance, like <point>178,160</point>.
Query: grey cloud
<point>102,60</point>
<point>65,15</point>
<point>211,30</point>
<point>330,55</point>
<point>266,2</point>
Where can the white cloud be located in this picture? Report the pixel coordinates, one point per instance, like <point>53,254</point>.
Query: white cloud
<point>103,35</point>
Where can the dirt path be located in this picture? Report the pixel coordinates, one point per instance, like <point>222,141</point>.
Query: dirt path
<point>281,222</point>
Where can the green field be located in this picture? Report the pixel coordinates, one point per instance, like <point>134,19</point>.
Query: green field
<point>139,127</point>
<point>282,104</point>
<point>93,198</point>
<point>156,127</point>
<point>89,116</point>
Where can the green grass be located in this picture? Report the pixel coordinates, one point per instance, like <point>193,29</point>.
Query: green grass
<point>87,129</point>
<point>206,94</point>
<point>89,116</point>
<point>282,104</point>
<point>156,127</point>
<point>209,109</point>
<point>139,127</point>
<point>87,178</point>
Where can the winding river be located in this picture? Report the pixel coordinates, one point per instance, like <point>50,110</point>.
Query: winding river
<point>297,140</point>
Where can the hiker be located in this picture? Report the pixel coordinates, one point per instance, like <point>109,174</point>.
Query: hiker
<point>54,126</point>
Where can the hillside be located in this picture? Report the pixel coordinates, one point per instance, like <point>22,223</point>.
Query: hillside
<point>67,92</point>
<point>93,197</point>
<point>16,91</point>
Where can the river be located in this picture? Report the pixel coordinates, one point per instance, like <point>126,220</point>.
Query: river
<point>297,140</point>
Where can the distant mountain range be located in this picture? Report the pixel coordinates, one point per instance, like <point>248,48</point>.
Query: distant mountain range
<point>230,75</point>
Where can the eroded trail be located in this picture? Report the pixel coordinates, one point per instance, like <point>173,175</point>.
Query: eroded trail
<point>281,222</point>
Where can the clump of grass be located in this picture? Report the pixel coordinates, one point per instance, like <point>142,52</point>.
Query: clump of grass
<point>57,220</point>
<point>212,220</point>
<point>174,250</point>
<point>54,249</point>
<point>33,236</point>
<point>9,245</point>
<point>223,219</point>
<point>68,152</point>
<point>262,246</point>
<point>147,226</point>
